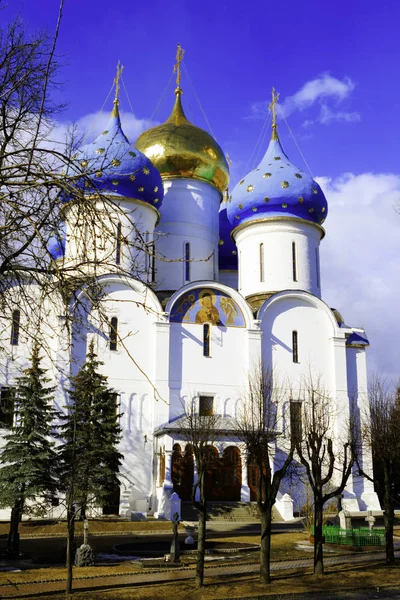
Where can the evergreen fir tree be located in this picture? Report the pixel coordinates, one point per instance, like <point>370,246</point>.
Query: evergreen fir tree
<point>88,457</point>
<point>27,478</point>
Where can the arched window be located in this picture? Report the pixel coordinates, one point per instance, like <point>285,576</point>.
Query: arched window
<point>206,339</point>
<point>16,317</point>
<point>294,264</point>
<point>262,262</point>
<point>114,333</point>
<point>187,261</point>
<point>118,244</point>
<point>295,347</point>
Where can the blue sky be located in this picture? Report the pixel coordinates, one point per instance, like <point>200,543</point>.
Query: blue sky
<point>336,67</point>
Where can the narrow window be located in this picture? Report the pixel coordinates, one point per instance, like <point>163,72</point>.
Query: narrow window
<point>7,402</point>
<point>206,339</point>
<point>295,346</point>
<point>261,262</point>
<point>16,316</point>
<point>317,267</point>
<point>240,271</point>
<point>295,421</point>
<point>118,246</point>
<point>113,333</point>
<point>187,261</point>
<point>294,265</point>
<point>152,256</point>
<point>206,406</point>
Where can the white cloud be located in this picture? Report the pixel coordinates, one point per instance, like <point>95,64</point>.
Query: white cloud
<point>325,92</point>
<point>359,260</point>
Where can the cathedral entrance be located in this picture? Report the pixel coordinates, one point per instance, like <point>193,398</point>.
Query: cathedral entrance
<point>223,481</point>
<point>182,471</point>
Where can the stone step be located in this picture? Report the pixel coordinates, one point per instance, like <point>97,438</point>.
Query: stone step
<point>227,511</point>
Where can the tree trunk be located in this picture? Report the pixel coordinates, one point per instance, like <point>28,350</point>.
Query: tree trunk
<point>265,548</point>
<point>201,543</point>
<point>13,535</point>
<point>388,515</point>
<point>318,547</point>
<point>70,544</point>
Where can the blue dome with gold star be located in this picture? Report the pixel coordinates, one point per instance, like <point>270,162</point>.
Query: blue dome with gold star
<point>276,188</point>
<point>114,167</point>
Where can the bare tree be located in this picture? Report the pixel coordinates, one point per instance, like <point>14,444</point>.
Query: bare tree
<point>257,426</point>
<point>381,432</point>
<point>327,458</point>
<point>200,427</point>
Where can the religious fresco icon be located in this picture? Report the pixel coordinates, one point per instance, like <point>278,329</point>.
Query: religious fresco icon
<point>207,305</point>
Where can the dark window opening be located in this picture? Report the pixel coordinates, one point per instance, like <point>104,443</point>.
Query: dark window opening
<point>295,421</point>
<point>118,246</point>
<point>7,403</point>
<point>206,339</point>
<point>114,333</point>
<point>206,406</point>
<point>152,256</point>
<point>187,261</point>
<point>16,317</point>
<point>294,264</point>
<point>295,347</point>
<point>261,262</point>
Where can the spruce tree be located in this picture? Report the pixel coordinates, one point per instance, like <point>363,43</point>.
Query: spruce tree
<point>27,478</point>
<point>89,460</point>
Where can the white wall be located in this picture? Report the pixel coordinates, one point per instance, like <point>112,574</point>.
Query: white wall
<point>277,236</point>
<point>189,213</point>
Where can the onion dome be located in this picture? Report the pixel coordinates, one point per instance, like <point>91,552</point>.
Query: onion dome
<point>117,168</point>
<point>179,149</point>
<point>276,188</point>
<point>227,251</point>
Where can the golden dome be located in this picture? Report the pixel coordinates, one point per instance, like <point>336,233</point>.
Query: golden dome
<point>177,148</point>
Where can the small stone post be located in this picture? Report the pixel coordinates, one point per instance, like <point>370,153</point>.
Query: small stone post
<point>175,546</point>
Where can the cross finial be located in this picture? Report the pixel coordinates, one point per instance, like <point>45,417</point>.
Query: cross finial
<point>120,68</point>
<point>180,53</point>
<point>272,107</point>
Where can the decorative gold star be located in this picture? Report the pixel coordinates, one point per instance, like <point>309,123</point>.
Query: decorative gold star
<point>155,189</point>
<point>285,184</point>
<point>155,200</point>
<point>141,189</point>
<point>115,181</point>
<point>100,150</point>
<point>250,188</point>
<point>323,209</point>
<point>277,158</point>
<point>84,164</point>
<point>132,177</point>
<point>241,182</point>
<point>234,252</point>
<point>266,199</point>
<point>267,175</point>
<point>240,206</point>
<point>310,210</point>
<point>301,199</point>
<point>105,132</point>
<point>146,171</point>
<point>284,205</point>
<point>314,190</point>
<point>254,209</point>
<point>298,175</point>
<point>133,154</point>
<point>220,242</point>
<point>237,217</point>
<point>115,162</point>
<point>99,173</point>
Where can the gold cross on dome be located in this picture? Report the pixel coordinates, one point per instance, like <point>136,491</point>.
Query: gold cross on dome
<point>180,53</point>
<point>120,68</point>
<point>272,107</point>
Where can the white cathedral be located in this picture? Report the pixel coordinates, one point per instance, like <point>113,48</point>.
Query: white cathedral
<point>232,280</point>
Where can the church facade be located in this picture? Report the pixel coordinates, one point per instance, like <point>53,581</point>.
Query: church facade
<point>223,281</point>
